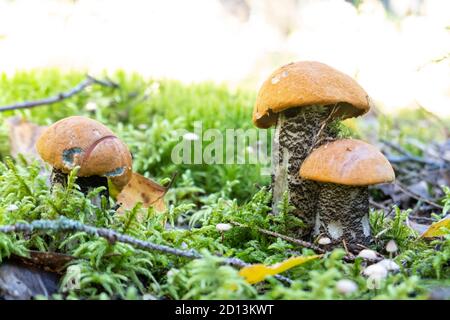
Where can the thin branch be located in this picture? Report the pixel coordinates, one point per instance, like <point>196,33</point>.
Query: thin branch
<point>349,257</point>
<point>377,205</point>
<point>405,190</point>
<point>407,156</point>
<point>172,181</point>
<point>322,127</point>
<point>89,81</point>
<point>284,237</point>
<point>68,225</point>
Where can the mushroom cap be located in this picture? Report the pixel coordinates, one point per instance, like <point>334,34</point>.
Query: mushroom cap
<point>307,83</point>
<point>80,141</point>
<point>347,162</point>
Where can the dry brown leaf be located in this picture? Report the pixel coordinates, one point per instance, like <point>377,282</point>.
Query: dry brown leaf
<point>48,261</point>
<point>22,136</point>
<point>144,190</point>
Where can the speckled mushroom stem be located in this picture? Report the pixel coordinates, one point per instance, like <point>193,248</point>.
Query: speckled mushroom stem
<point>297,131</point>
<point>86,185</point>
<point>343,214</point>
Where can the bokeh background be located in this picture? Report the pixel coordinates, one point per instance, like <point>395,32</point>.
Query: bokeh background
<point>397,49</point>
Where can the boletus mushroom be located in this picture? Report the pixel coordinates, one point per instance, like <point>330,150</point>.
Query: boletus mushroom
<point>80,141</point>
<point>302,100</point>
<point>345,168</point>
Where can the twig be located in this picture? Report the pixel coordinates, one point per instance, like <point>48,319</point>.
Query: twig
<point>349,257</point>
<point>377,205</point>
<point>68,225</point>
<point>405,190</point>
<point>284,237</point>
<point>406,155</point>
<point>322,127</point>
<point>166,189</point>
<point>345,247</point>
<point>61,96</point>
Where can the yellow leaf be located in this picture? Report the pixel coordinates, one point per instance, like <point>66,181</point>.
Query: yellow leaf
<point>258,272</point>
<point>436,229</point>
<point>255,273</point>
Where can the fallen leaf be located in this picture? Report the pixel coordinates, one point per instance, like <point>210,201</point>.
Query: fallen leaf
<point>22,136</point>
<point>48,261</point>
<point>143,190</point>
<point>258,272</point>
<point>436,229</point>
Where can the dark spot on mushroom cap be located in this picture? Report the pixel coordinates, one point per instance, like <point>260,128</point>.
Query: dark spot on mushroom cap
<point>68,156</point>
<point>115,172</point>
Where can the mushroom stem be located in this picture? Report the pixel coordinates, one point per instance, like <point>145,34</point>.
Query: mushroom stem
<point>343,214</point>
<point>297,132</point>
<point>86,184</point>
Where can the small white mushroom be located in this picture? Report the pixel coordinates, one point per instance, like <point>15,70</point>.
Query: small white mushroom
<point>368,254</point>
<point>346,286</point>
<point>376,271</point>
<point>222,227</point>
<point>91,106</point>
<point>391,246</point>
<point>389,265</point>
<point>324,241</point>
<point>12,207</point>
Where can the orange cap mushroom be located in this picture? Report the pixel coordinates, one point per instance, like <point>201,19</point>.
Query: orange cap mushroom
<point>308,83</point>
<point>80,141</point>
<point>347,162</point>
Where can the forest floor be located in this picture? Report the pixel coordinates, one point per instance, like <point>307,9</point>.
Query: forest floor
<point>148,116</point>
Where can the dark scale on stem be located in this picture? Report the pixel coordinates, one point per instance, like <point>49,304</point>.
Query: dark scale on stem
<point>343,214</point>
<point>298,131</point>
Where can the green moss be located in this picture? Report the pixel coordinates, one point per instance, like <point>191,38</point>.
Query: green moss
<point>145,113</point>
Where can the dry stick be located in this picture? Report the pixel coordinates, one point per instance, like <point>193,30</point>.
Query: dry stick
<point>377,205</point>
<point>68,225</point>
<point>61,96</point>
<point>172,181</point>
<point>405,190</point>
<point>301,243</point>
<point>322,127</point>
<point>421,175</point>
<point>407,155</point>
<point>284,237</point>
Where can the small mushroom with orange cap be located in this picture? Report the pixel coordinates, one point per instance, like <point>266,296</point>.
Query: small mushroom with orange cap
<point>80,141</point>
<point>345,168</point>
<point>302,100</point>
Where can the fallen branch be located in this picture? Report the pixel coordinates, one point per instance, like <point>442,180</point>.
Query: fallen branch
<point>377,205</point>
<point>68,225</point>
<point>89,81</point>
<point>284,237</point>
<point>322,127</point>
<point>301,243</point>
<point>407,156</point>
<point>405,190</point>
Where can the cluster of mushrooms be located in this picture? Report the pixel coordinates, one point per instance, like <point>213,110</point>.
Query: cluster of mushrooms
<point>326,178</point>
